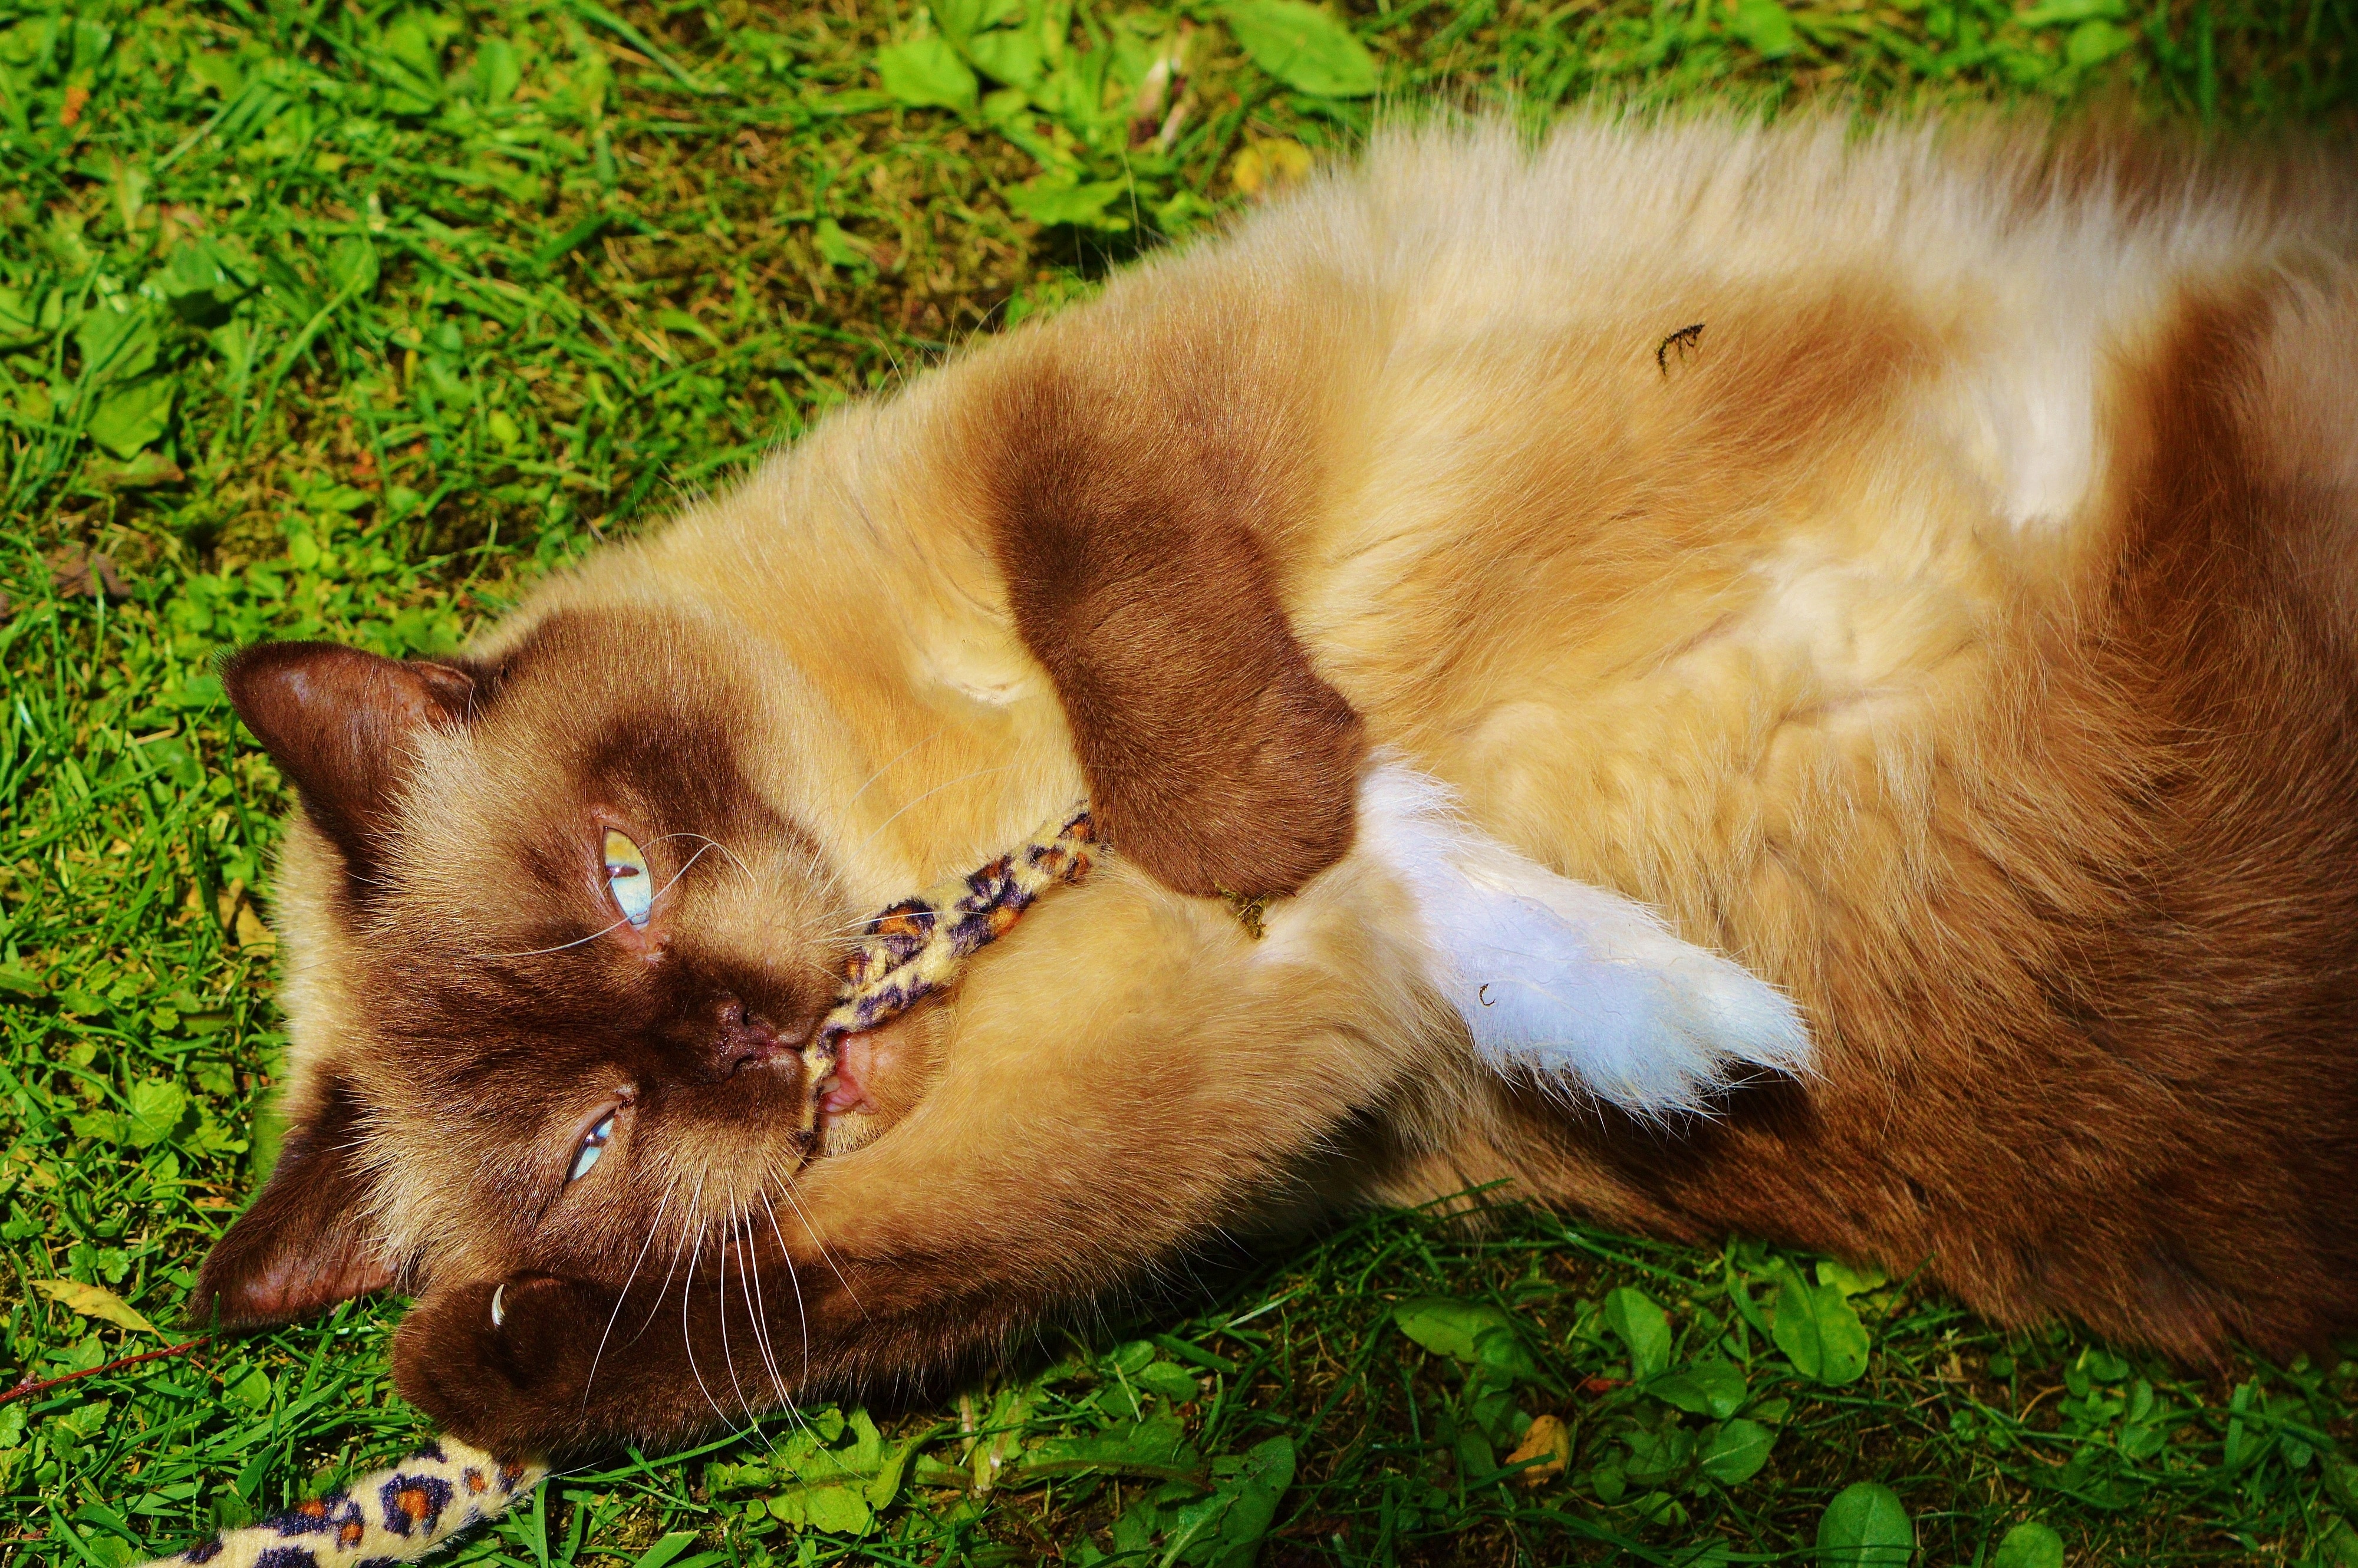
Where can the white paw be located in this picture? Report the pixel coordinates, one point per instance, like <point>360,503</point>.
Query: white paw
<point>1559,978</point>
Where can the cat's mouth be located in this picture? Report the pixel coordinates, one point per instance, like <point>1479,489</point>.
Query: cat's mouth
<point>875,1078</point>
<point>840,1087</point>
<point>767,1055</point>
<point>842,1092</point>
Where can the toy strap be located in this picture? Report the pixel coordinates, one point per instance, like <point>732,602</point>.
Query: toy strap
<point>917,946</point>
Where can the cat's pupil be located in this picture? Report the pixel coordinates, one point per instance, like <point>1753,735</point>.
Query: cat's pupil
<point>592,1145</point>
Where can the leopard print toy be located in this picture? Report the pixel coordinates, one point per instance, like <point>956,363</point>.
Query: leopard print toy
<point>907,952</point>
<point>917,947</point>
<point>392,1516</point>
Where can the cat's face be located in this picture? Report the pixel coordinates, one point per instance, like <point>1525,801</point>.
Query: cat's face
<point>565,951</point>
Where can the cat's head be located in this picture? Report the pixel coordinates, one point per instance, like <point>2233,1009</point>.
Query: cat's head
<point>554,947</point>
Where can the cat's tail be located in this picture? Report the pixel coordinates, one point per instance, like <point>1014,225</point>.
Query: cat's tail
<point>396,1515</point>
<point>1576,987</point>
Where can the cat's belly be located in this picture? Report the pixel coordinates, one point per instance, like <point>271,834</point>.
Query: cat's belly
<point>1748,624</point>
<point>1742,691</point>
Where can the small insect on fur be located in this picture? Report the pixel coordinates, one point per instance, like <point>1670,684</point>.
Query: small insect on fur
<point>1685,338</point>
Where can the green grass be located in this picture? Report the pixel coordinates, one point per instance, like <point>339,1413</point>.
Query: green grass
<point>345,321</point>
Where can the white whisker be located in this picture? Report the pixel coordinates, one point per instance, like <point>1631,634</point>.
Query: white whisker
<point>727,1359</point>
<point>795,1277</point>
<point>946,784</point>
<point>623,1295</point>
<point>745,1285</point>
<point>669,1270</point>
<point>688,1293</point>
<point>726,852</point>
<point>748,1282</point>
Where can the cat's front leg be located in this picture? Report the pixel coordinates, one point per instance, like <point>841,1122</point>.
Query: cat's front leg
<point>508,1364</point>
<point>1135,1074</point>
<point>1129,523</point>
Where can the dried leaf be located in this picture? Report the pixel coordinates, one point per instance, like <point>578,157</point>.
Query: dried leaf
<point>1546,1437</point>
<point>78,571</point>
<point>1265,167</point>
<point>95,1301</point>
<point>253,936</point>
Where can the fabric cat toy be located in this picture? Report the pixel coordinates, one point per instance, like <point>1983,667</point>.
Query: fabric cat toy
<point>905,953</point>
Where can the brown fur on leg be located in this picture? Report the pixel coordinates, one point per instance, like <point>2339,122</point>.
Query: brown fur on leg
<point>1216,757</point>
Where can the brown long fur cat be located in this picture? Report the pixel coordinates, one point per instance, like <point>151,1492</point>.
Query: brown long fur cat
<point>1960,632</point>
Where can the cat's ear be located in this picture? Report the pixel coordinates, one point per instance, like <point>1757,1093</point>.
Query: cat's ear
<point>305,1244</point>
<point>1577,989</point>
<point>343,724</point>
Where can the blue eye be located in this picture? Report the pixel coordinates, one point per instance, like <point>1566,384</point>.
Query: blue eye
<point>593,1144</point>
<point>627,879</point>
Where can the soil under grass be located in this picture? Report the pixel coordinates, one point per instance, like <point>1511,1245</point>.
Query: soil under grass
<point>345,321</point>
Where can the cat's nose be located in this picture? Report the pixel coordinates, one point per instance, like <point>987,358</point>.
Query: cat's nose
<point>742,1039</point>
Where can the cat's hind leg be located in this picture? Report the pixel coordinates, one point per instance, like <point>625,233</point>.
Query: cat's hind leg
<point>1564,982</point>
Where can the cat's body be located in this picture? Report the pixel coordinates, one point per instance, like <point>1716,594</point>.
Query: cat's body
<point>1959,632</point>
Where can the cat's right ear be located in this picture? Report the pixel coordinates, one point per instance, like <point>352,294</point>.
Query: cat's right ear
<point>305,1244</point>
<point>343,724</point>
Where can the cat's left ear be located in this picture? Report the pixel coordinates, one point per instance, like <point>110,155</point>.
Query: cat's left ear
<point>343,724</point>
<point>305,1245</point>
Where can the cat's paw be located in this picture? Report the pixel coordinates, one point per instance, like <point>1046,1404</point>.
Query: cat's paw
<point>1256,807</point>
<point>504,1365</point>
<point>1567,981</point>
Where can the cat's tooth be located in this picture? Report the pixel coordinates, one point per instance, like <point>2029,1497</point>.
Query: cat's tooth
<point>499,1312</point>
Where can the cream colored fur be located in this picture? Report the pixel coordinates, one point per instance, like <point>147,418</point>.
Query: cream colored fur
<point>1715,640</point>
